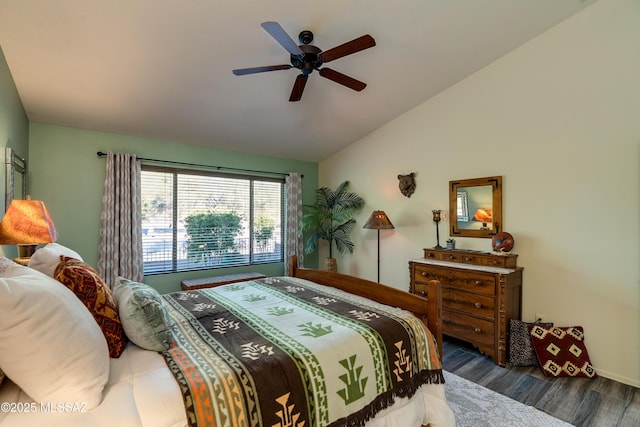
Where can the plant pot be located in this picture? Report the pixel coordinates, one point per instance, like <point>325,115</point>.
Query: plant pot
<point>330,264</point>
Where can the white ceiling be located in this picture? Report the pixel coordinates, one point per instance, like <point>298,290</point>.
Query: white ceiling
<point>162,68</point>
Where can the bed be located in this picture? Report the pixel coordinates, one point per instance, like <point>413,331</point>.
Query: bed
<point>175,387</point>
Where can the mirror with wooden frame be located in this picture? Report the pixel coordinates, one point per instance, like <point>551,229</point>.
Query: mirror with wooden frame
<point>475,207</point>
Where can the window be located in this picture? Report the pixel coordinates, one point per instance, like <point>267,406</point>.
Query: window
<point>195,220</point>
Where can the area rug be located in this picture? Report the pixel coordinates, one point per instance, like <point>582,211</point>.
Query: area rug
<point>477,406</point>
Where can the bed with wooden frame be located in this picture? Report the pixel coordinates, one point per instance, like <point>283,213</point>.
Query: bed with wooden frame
<point>216,385</point>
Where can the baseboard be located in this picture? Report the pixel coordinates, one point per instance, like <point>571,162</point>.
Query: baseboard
<point>618,378</point>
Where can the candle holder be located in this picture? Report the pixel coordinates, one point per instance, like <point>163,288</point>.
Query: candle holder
<point>437,218</point>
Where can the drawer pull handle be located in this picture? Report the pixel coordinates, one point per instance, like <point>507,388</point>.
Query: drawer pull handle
<point>430,255</point>
<point>478,305</point>
<point>478,282</point>
<point>451,257</point>
<point>424,274</point>
<point>477,330</point>
<point>423,293</point>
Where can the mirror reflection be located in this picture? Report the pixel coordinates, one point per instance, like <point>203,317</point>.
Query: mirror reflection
<point>463,206</point>
<point>475,207</point>
<point>478,201</point>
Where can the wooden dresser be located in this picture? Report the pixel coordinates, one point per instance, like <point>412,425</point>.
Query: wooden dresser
<point>481,291</point>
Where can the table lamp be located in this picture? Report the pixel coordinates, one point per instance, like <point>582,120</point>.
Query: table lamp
<point>26,224</point>
<point>484,216</point>
<point>437,217</point>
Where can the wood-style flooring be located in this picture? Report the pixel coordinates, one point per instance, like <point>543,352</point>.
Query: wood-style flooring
<point>600,402</point>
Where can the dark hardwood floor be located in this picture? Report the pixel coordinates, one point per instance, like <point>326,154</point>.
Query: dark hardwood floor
<point>600,402</point>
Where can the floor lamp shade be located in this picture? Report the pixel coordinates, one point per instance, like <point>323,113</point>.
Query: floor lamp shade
<point>378,220</point>
<point>27,223</point>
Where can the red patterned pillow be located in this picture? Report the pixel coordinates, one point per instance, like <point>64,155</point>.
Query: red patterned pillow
<point>89,287</point>
<point>561,351</point>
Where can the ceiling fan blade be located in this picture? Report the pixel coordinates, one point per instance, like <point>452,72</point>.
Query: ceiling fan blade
<point>298,87</point>
<point>343,79</point>
<point>281,36</point>
<point>253,70</point>
<point>355,45</point>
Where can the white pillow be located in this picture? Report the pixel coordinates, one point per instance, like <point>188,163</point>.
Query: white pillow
<point>47,257</point>
<point>50,345</point>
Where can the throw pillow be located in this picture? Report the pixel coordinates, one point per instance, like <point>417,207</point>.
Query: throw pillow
<point>89,287</point>
<point>46,259</point>
<point>50,346</point>
<point>521,351</point>
<point>143,314</point>
<point>561,351</point>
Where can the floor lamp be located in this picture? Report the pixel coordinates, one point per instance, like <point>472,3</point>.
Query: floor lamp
<point>378,221</point>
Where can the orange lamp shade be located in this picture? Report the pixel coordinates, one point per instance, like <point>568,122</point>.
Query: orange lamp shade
<point>27,222</point>
<point>483,215</point>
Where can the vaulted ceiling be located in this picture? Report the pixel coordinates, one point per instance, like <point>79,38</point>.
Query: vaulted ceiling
<point>162,68</point>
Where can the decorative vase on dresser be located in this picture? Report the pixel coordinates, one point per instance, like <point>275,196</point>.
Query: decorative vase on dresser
<point>481,291</point>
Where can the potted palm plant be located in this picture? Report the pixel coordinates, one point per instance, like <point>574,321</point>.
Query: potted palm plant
<point>331,219</point>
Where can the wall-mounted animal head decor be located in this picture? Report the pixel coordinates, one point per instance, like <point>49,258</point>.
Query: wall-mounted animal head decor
<point>407,184</point>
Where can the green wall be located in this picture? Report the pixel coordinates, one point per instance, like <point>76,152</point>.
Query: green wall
<point>14,131</point>
<point>67,174</point>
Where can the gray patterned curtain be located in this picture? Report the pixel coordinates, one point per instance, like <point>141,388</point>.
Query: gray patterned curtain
<point>293,241</point>
<point>120,250</point>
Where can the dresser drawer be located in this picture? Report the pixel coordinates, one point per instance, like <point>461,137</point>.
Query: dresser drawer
<point>467,302</point>
<point>472,257</point>
<point>421,289</point>
<point>484,283</point>
<point>478,331</point>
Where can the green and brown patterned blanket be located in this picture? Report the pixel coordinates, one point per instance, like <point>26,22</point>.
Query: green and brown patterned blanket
<point>287,352</point>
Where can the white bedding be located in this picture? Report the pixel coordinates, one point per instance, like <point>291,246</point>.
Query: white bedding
<point>142,392</point>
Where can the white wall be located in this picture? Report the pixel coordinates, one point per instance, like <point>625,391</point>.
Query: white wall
<point>558,118</point>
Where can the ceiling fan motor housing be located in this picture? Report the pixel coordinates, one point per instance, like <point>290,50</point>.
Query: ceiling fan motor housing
<point>310,61</point>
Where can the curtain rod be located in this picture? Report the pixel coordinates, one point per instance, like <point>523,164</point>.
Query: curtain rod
<point>103,154</point>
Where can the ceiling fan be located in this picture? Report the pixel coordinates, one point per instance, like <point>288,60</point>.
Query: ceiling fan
<point>306,58</point>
